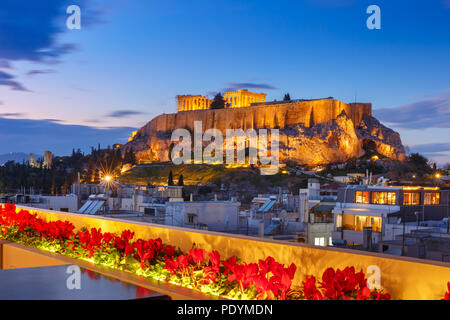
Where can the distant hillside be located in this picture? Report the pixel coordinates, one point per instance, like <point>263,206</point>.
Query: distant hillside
<point>201,174</point>
<point>15,156</point>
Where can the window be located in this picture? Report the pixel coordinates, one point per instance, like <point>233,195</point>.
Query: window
<point>357,223</point>
<point>431,198</point>
<point>339,221</point>
<point>319,241</point>
<point>383,198</point>
<point>191,218</point>
<point>362,196</point>
<point>411,198</point>
<point>330,241</point>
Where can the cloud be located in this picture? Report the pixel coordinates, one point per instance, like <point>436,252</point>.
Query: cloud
<point>12,114</point>
<point>35,72</point>
<point>30,31</point>
<point>8,80</point>
<point>430,113</point>
<point>26,135</point>
<point>231,86</point>
<point>123,113</point>
<point>431,147</point>
<point>439,152</point>
<point>4,64</point>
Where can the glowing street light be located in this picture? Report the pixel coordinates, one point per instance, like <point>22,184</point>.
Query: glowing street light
<point>108,178</point>
<point>437,175</point>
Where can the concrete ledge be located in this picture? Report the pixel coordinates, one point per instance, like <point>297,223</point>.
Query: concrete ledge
<point>403,277</point>
<point>15,256</point>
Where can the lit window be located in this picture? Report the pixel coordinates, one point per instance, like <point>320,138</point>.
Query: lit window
<point>330,241</point>
<point>431,198</point>
<point>339,221</point>
<point>319,241</point>
<point>357,223</point>
<point>362,196</point>
<point>411,198</point>
<point>383,198</point>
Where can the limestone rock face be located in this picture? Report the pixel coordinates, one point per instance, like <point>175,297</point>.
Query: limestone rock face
<point>334,141</point>
<point>387,141</point>
<point>311,132</point>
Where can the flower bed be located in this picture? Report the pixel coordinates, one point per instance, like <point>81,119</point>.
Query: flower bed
<point>196,269</point>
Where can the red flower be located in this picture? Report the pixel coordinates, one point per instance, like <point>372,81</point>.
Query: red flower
<point>171,265</point>
<point>310,290</point>
<point>107,237</point>
<point>198,255</point>
<point>447,294</point>
<point>214,258</point>
<point>229,265</point>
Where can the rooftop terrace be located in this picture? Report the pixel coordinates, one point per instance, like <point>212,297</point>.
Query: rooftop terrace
<point>402,277</point>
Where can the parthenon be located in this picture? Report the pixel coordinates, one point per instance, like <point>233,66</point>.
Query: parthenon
<point>236,99</point>
<point>193,102</point>
<point>243,98</point>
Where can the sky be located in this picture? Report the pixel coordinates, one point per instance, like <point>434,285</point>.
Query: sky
<point>66,88</point>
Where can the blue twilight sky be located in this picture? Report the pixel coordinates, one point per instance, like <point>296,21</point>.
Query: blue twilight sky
<point>62,88</point>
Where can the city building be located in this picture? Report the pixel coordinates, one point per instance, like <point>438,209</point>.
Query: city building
<point>210,215</point>
<point>365,215</point>
<point>32,161</point>
<point>67,203</point>
<point>130,198</point>
<point>47,164</point>
<point>427,242</point>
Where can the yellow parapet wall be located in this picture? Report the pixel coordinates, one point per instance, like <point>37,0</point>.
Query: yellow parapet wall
<point>14,256</point>
<point>404,278</point>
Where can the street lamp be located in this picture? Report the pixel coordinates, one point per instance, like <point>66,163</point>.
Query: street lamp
<point>108,180</point>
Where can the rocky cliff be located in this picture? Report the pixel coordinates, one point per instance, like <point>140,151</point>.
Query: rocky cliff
<point>311,132</point>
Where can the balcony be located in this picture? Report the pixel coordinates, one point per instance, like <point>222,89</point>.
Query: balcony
<point>404,278</point>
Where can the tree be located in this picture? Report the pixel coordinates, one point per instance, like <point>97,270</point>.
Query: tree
<point>129,157</point>
<point>218,102</point>
<point>180,181</point>
<point>287,97</point>
<point>170,180</point>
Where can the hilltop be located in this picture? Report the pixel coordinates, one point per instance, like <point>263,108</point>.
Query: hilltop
<point>312,132</point>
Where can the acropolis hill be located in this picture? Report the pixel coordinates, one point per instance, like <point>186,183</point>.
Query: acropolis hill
<point>312,132</point>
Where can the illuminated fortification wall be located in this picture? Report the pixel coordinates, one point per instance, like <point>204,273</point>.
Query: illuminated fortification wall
<point>261,116</point>
<point>311,131</point>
